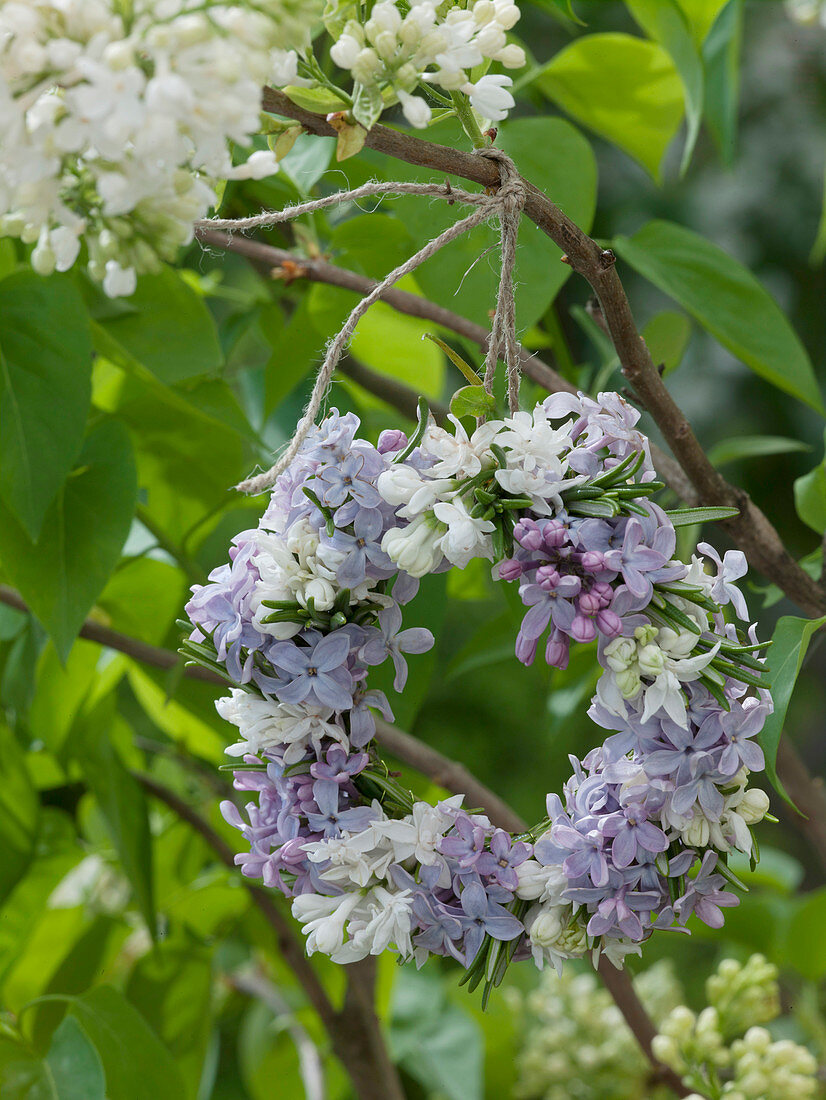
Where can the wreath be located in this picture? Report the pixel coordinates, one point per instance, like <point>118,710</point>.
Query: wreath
<point>559,500</point>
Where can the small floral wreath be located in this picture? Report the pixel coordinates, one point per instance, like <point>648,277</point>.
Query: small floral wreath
<point>560,501</point>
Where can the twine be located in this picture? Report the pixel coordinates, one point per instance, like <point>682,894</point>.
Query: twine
<point>505,203</point>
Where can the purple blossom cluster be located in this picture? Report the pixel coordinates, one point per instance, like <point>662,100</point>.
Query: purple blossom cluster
<point>571,569</point>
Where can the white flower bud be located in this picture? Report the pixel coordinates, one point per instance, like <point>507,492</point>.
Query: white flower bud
<point>696,833</point>
<point>620,653</point>
<point>512,56</point>
<point>628,683</point>
<point>416,110</point>
<point>651,660</point>
<point>753,806</point>
<point>414,548</point>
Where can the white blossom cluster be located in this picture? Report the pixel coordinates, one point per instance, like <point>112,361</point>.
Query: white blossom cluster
<point>115,120</point>
<point>577,1045</point>
<point>401,45</point>
<point>433,495</point>
<point>703,1050</point>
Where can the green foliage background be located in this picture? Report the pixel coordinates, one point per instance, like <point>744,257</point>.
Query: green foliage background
<point>124,942</point>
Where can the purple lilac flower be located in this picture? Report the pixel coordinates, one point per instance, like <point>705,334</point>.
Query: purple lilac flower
<point>392,642</point>
<point>704,896</point>
<point>483,916</point>
<point>501,861</point>
<point>362,551</point>
<point>315,673</point>
<point>632,831</point>
<point>348,478</point>
<point>465,842</point>
<point>330,819</point>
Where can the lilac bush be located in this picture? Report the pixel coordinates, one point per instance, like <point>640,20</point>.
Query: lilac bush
<point>559,501</point>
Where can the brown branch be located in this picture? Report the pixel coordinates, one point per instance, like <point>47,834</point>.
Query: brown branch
<point>354,1032</point>
<point>316,270</point>
<point>450,774</point>
<point>390,390</point>
<point>751,529</point>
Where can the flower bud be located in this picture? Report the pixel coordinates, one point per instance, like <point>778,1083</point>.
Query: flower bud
<point>753,806</point>
<point>651,660</point>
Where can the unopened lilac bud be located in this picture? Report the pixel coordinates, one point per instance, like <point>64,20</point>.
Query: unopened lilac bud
<point>554,534</point>
<point>609,623</point>
<point>391,440</point>
<point>557,651</point>
<point>527,534</point>
<point>547,578</point>
<point>583,629</point>
<point>604,592</point>
<point>593,561</point>
<point>753,806</point>
<point>525,649</point>
<point>510,569</point>
<point>589,604</point>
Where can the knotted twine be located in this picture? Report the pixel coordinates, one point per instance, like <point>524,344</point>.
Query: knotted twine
<point>506,204</point>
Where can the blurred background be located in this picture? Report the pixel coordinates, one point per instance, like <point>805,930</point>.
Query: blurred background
<point>207,370</point>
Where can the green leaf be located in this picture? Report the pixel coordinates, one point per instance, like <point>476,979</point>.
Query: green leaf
<point>739,447</point>
<point>60,690</point>
<point>45,389</point>
<point>727,300</point>
<point>19,814</point>
<point>320,100</point>
<point>124,599</point>
<point>472,401</point>
<point>667,337</point>
<point>701,16</point>
<point>624,88</point>
<point>684,517</point>
<point>87,526</point>
<point>173,987</point>
<point>805,946</point>
<point>121,801</point>
<point>367,105</point>
<point>721,58</point>
<point>437,1043</point>
<point>71,1070</point>
<point>666,23</point>
<point>350,141</point>
<point>137,1065</point>
<point>810,496</point>
<point>168,329</point>
<point>818,253</point>
<point>789,644</point>
<point>458,362</point>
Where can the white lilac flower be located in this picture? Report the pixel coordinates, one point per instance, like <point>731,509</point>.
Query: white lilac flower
<point>265,724</point>
<point>418,834</point>
<point>458,455</point>
<point>491,96</point>
<point>398,47</point>
<point>353,858</point>
<point>410,492</point>
<point>466,537</point>
<point>415,548</point>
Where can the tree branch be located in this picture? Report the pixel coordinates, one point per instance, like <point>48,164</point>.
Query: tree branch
<point>354,1032</point>
<point>751,529</point>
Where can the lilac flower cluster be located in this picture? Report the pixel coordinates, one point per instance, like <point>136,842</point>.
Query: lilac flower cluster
<point>559,500</point>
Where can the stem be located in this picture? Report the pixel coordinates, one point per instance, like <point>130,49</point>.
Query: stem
<point>464,112</point>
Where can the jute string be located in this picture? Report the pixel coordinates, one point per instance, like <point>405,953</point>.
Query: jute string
<point>505,204</point>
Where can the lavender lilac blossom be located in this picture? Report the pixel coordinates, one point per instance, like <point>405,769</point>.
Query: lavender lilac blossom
<point>559,500</point>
